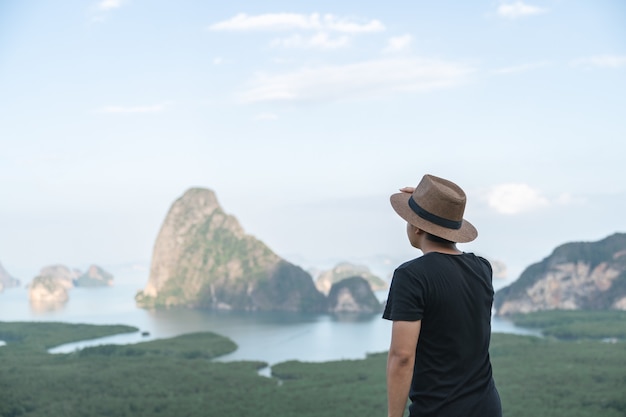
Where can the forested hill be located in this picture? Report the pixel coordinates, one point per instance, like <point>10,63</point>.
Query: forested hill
<point>578,275</point>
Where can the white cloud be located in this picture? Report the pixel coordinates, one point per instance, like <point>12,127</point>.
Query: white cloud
<point>601,61</point>
<point>518,9</point>
<point>104,8</point>
<point>521,68</point>
<point>514,198</point>
<point>319,41</point>
<point>356,80</point>
<point>109,4</point>
<point>218,60</point>
<point>291,21</point>
<point>399,43</point>
<point>156,108</point>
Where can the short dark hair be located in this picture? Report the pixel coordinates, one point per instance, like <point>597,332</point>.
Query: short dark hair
<point>438,239</point>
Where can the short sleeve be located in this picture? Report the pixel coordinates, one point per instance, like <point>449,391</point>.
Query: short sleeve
<point>406,297</point>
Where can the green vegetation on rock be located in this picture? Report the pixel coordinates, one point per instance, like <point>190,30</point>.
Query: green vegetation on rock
<point>203,259</point>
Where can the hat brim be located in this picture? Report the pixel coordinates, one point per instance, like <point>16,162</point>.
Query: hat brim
<point>400,203</point>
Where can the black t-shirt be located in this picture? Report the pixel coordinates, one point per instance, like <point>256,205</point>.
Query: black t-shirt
<point>452,295</point>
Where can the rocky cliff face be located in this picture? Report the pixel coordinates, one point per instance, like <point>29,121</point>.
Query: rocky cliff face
<point>6,280</point>
<point>583,275</point>
<point>353,295</point>
<point>202,258</point>
<point>344,270</point>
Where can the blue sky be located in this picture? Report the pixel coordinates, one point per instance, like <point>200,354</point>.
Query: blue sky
<point>304,118</point>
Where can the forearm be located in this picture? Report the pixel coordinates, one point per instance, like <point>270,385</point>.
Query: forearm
<point>399,375</point>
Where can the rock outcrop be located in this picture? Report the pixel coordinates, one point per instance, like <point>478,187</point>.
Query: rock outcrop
<point>50,289</point>
<point>47,293</point>
<point>203,259</point>
<point>344,270</point>
<point>6,280</point>
<point>582,275</point>
<point>60,274</point>
<point>353,295</point>
<point>94,277</point>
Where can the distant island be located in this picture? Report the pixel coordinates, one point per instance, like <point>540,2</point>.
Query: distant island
<point>49,289</point>
<point>352,295</point>
<point>343,270</point>
<point>202,258</point>
<point>576,276</point>
<point>6,280</point>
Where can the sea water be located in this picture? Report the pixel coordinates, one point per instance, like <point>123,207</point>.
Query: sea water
<point>270,337</point>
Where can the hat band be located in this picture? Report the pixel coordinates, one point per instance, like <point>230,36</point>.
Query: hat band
<point>433,218</point>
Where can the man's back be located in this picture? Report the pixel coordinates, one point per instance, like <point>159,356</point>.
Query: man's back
<point>452,296</point>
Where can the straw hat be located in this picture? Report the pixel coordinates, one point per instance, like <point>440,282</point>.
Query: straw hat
<point>436,206</point>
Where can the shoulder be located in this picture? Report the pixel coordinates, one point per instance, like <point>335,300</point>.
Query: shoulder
<point>483,261</point>
<point>424,262</point>
<point>407,272</point>
<point>420,261</point>
<point>414,266</point>
<point>419,268</point>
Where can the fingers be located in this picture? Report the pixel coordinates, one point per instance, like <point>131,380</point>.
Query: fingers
<point>409,190</point>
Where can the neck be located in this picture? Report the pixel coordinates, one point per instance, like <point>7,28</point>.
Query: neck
<point>430,246</point>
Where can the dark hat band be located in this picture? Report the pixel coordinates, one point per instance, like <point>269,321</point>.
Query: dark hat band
<point>433,218</point>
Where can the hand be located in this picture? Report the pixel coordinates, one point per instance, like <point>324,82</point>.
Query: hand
<point>409,190</point>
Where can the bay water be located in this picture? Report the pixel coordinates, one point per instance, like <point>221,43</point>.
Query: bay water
<point>270,337</point>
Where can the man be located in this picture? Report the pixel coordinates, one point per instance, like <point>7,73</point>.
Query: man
<point>440,305</point>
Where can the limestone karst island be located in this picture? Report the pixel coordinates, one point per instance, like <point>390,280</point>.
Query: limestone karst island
<point>49,289</point>
<point>202,258</point>
<point>576,276</point>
